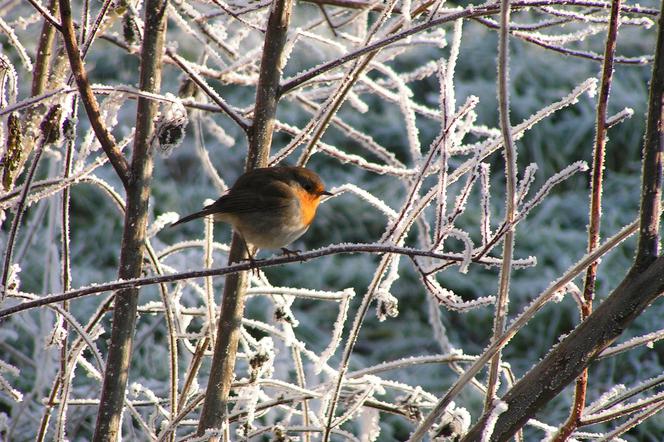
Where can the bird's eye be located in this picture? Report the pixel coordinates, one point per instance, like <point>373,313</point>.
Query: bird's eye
<point>308,187</point>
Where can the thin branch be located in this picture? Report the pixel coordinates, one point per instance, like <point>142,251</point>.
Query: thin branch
<point>510,206</point>
<point>46,14</point>
<point>225,107</point>
<point>89,101</point>
<point>378,249</point>
<point>595,209</point>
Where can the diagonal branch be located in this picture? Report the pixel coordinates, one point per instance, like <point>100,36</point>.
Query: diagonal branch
<point>89,101</point>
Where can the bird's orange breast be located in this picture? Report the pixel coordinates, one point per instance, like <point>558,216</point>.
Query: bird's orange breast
<point>308,206</point>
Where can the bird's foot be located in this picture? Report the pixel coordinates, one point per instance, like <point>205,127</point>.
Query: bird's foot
<point>253,263</point>
<point>288,252</point>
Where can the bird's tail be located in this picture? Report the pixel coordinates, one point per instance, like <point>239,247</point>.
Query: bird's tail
<point>200,214</point>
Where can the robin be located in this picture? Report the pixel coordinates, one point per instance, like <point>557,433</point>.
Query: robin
<point>269,207</point>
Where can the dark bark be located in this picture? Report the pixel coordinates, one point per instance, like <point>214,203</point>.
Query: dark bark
<point>136,215</point>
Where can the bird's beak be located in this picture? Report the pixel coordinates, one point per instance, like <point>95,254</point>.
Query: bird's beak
<point>326,193</point>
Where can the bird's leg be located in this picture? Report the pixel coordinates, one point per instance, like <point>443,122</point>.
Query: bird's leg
<point>250,258</point>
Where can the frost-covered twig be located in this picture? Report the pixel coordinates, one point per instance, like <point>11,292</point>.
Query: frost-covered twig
<point>519,322</point>
<point>225,107</point>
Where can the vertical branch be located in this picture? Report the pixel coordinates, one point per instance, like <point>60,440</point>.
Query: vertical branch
<point>595,209</point>
<point>267,90</point>
<point>133,239</point>
<point>651,174</point>
<point>209,288</point>
<point>260,139</point>
<point>510,172</point>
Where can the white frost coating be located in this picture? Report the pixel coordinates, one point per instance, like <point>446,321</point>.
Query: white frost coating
<point>369,421</point>
<point>23,55</point>
<point>467,247</point>
<point>405,103</point>
<point>217,131</point>
<point>357,103</point>
<point>321,295</point>
<point>498,408</point>
<point>526,181</point>
<point>109,109</point>
<point>578,166</point>
<point>162,221</point>
<point>633,342</point>
<point>337,331</point>
<point>451,300</point>
<point>368,197</point>
<point>6,388</point>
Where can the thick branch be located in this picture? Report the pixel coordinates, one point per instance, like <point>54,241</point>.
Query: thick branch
<point>133,239</point>
<point>89,101</point>
<point>651,175</point>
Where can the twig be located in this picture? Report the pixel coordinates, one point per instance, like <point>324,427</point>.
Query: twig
<point>225,107</point>
<point>46,14</point>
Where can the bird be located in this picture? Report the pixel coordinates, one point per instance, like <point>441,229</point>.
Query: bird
<point>269,207</point>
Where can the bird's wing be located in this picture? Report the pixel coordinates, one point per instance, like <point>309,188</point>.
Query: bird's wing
<point>244,200</point>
